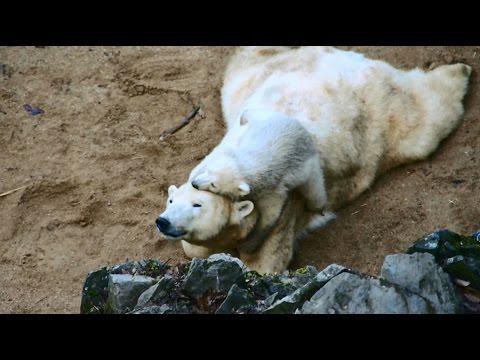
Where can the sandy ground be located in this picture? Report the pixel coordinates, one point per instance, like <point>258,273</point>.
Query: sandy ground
<point>96,173</point>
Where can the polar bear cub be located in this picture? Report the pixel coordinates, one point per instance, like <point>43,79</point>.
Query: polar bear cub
<point>264,156</point>
<point>272,151</point>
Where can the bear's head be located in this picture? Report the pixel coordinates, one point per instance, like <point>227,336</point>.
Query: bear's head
<point>198,216</point>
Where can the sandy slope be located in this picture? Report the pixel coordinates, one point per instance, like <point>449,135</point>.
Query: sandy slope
<point>97,174</point>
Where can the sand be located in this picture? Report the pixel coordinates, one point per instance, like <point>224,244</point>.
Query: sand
<point>96,174</point>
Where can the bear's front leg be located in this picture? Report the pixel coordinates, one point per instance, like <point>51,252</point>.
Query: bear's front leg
<point>276,251</point>
<point>269,208</point>
<point>202,252</point>
<point>196,251</point>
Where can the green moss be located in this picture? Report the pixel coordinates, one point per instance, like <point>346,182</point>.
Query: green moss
<point>302,270</point>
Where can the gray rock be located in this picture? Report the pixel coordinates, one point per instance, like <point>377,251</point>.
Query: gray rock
<point>153,310</point>
<point>95,292</point>
<point>290,303</point>
<point>269,301</point>
<point>349,293</point>
<point>151,267</point>
<point>217,273</point>
<point>227,258</point>
<point>124,290</point>
<point>420,274</point>
<point>238,300</point>
<point>156,293</point>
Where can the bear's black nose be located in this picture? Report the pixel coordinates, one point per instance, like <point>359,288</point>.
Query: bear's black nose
<point>195,185</point>
<point>162,223</point>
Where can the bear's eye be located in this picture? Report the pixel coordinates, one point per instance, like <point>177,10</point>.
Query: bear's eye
<point>213,185</point>
<point>170,201</point>
<point>197,205</point>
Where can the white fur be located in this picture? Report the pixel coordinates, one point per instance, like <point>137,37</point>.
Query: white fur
<point>269,155</point>
<point>364,115</point>
<point>269,152</point>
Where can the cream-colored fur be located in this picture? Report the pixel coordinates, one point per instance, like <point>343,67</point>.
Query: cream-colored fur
<point>365,116</point>
<point>268,159</point>
<point>222,225</point>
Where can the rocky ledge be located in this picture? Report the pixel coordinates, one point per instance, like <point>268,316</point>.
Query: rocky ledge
<point>439,274</point>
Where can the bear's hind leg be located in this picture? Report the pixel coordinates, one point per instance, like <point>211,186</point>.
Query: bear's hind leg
<point>436,111</point>
<point>313,190</point>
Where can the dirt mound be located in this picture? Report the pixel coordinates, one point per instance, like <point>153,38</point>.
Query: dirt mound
<point>96,174</point>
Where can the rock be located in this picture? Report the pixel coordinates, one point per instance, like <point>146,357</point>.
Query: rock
<point>445,244</point>
<point>95,292</point>
<point>124,290</point>
<point>227,258</point>
<point>153,310</point>
<point>458,255</point>
<point>151,268</point>
<point>53,224</point>
<point>275,286</point>
<point>418,282</point>
<point>420,274</point>
<point>33,110</point>
<point>349,293</point>
<point>269,301</point>
<point>217,273</point>
<point>95,289</point>
<point>302,276</point>
<point>157,293</point>
<point>430,243</point>
<point>465,268</point>
<point>238,300</point>
<point>290,303</point>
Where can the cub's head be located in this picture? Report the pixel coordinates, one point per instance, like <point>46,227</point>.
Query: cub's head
<point>221,181</point>
<point>197,215</point>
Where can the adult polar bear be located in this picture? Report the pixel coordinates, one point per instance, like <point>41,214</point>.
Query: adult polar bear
<point>364,115</point>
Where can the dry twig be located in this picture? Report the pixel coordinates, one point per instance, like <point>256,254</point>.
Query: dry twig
<point>12,191</point>
<point>184,122</point>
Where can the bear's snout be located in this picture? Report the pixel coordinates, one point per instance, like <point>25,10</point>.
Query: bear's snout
<point>162,224</point>
<point>167,229</point>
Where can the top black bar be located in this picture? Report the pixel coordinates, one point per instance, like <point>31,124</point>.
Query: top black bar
<point>300,38</point>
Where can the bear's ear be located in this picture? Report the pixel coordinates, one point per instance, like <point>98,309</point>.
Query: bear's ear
<point>241,209</point>
<point>243,188</point>
<point>172,189</point>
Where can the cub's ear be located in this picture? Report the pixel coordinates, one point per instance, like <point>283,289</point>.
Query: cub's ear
<point>197,170</point>
<point>172,189</point>
<point>243,189</point>
<point>243,118</point>
<point>241,209</point>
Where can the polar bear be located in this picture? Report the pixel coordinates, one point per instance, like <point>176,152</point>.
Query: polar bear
<point>365,117</point>
<point>207,223</point>
<point>197,216</point>
<point>272,155</point>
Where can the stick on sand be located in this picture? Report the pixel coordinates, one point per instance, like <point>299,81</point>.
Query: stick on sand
<point>12,191</point>
<point>184,122</point>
